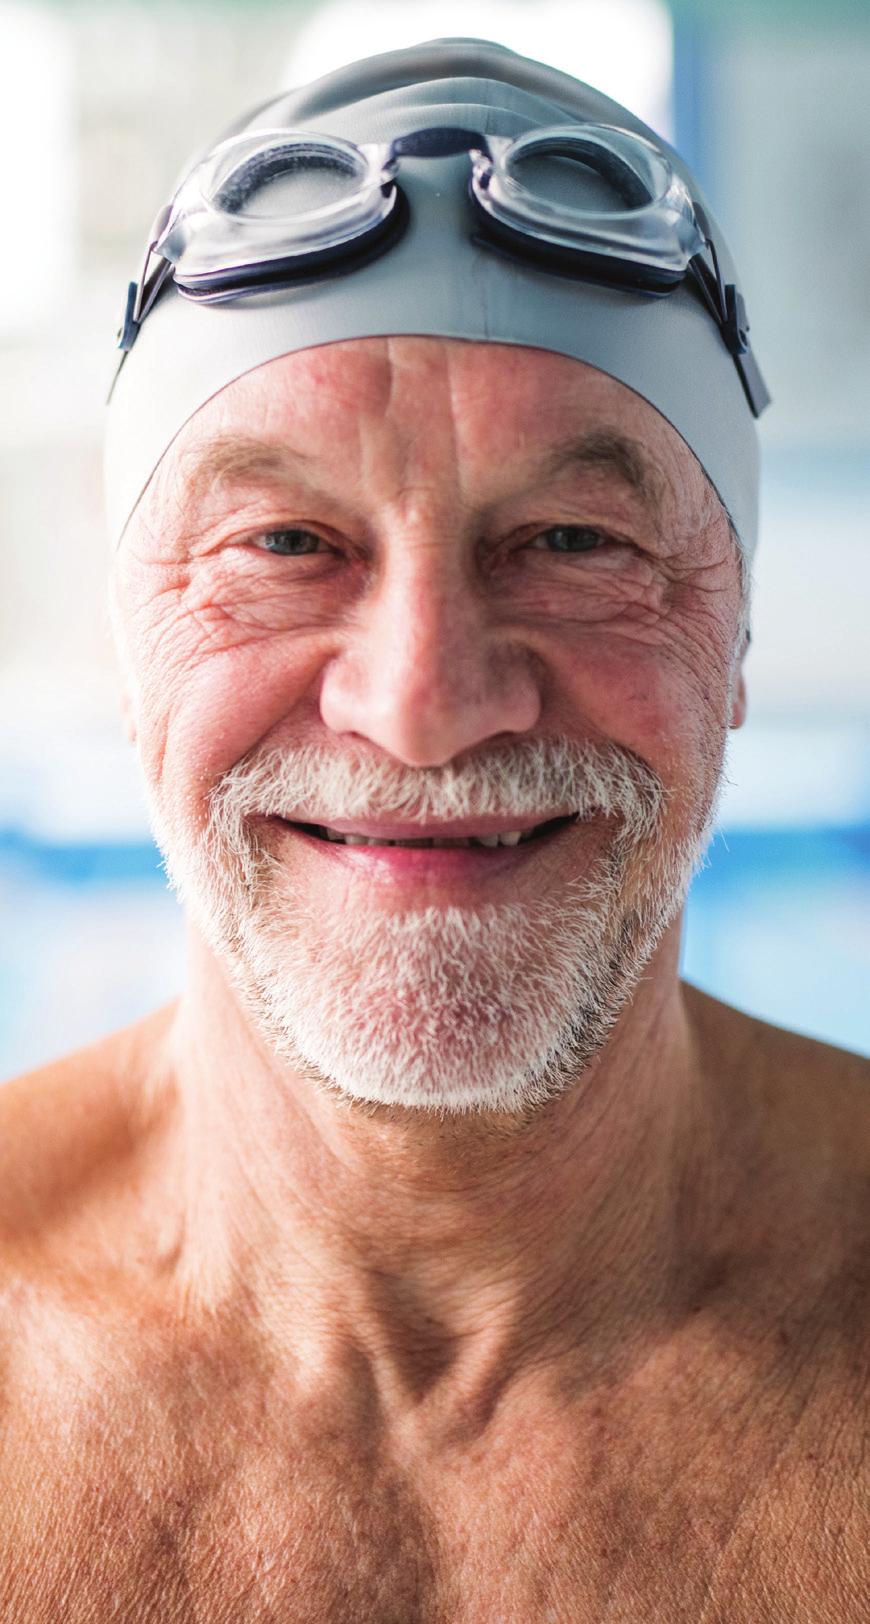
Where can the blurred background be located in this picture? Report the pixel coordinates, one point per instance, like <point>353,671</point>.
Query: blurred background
<point>100,106</point>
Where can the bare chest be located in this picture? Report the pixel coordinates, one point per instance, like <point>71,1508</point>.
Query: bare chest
<point>182,1515</point>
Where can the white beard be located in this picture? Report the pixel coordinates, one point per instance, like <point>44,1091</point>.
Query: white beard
<point>490,1008</point>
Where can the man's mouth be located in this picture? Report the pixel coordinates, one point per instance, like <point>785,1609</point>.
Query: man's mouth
<point>514,837</point>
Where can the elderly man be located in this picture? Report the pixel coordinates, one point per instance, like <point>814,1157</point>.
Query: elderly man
<point>438,1255</point>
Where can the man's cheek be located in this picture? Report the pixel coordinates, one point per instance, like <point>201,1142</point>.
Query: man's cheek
<point>682,674</point>
<point>632,687</point>
<point>195,627</point>
<point>702,658</point>
<point>200,720</point>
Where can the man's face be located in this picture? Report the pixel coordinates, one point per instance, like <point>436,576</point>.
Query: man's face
<point>448,577</point>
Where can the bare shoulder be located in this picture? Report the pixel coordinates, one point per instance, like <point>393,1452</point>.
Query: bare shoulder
<point>795,1256</point>
<point>79,1335</point>
<point>75,1139</point>
<point>795,1116</point>
<point>816,1087</point>
<point>69,1132</point>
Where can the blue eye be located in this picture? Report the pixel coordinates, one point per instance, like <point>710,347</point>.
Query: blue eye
<point>574,538</point>
<point>290,542</point>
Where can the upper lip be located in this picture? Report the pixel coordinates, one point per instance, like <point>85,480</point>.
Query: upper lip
<point>461,828</point>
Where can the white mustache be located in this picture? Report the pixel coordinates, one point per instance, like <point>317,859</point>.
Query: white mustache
<point>536,779</point>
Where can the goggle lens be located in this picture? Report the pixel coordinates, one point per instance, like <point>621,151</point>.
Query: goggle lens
<point>280,183</point>
<point>264,196</point>
<point>598,191</point>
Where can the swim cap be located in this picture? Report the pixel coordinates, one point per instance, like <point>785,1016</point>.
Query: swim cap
<point>438,279</point>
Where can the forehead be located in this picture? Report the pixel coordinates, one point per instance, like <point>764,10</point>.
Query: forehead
<point>419,410</point>
<point>505,389</point>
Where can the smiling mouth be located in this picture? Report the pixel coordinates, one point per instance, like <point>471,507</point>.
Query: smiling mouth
<point>491,843</point>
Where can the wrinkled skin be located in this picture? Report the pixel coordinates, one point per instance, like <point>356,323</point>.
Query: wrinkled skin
<point>423,446</point>
<point>276,1356</point>
<point>429,618</point>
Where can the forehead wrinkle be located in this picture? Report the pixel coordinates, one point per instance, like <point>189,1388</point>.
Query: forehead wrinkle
<point>423,447</point>
<point>231,458</point>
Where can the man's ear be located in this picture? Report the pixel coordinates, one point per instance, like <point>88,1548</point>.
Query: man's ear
<point>739,702</point>
<point>128,717</point>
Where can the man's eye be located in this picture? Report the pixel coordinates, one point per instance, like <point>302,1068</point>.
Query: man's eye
<point>292,542</point>
<point>572,538</point>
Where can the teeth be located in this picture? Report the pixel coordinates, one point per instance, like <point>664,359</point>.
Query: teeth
<point>511,838</point>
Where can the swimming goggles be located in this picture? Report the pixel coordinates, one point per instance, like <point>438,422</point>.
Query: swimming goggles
<point>272,207</point>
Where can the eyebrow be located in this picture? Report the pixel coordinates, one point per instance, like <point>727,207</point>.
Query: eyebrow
<point>232,459</point>
<point>613,453</point>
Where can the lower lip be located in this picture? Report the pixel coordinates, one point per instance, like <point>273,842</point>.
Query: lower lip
<point>431,862</point>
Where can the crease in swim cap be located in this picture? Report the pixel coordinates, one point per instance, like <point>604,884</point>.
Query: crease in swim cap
<point>436,281</point>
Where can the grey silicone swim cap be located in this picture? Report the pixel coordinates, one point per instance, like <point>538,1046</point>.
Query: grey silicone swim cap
<point>435,280</point>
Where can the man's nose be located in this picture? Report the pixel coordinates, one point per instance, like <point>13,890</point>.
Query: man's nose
<point>430,666</point>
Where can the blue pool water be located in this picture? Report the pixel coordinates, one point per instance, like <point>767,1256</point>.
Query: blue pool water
<point>777,923</point>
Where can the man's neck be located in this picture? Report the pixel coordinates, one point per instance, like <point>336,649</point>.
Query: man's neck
<point>450,1253</point>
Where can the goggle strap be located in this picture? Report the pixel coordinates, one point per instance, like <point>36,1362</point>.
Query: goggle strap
<point>149,294</point>
<point>735,331</point>
<point>154,235</point>
<point>755,388</point>
<point>721,308</point>
<point>719,284</point>
<point>729,309</point>
<point>704,281</point>
<point>140,298</point>
<point>128,329</point>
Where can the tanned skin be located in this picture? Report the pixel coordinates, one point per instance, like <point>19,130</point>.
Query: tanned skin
<point>263,1357</point>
